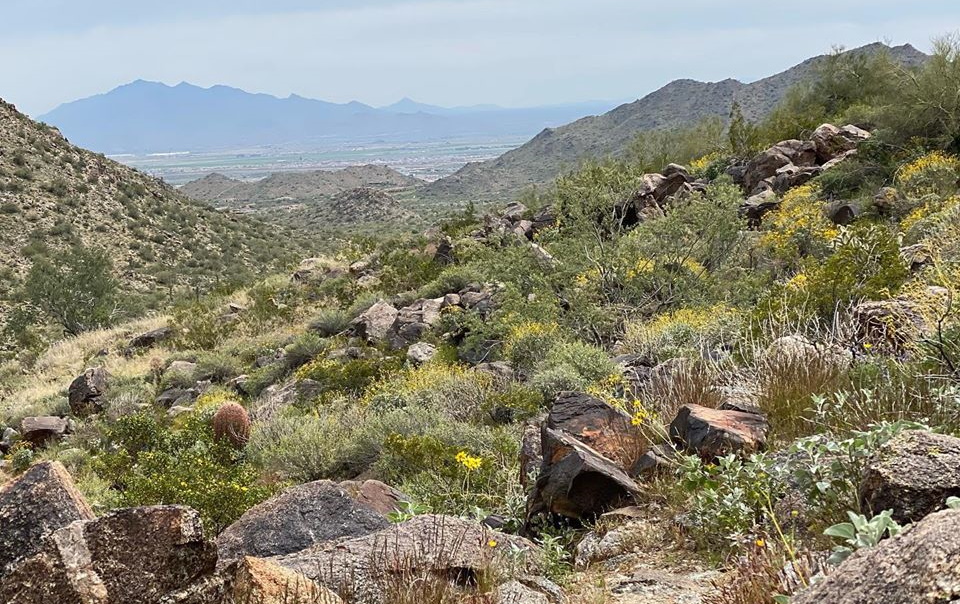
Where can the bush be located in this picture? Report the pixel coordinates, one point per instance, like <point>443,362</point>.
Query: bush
<point>452,390</point>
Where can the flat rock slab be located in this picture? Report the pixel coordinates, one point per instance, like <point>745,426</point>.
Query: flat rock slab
<point>921,565</point>
<point>34,505</point>
<point>297,518</point>
<point>912,474</point>
<point>714,433</point>
<point>130,556</point>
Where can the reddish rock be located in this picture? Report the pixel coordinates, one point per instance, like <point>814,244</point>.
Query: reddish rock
<point>714,433</point>
<point>598,425</point>
<point>375,495</point>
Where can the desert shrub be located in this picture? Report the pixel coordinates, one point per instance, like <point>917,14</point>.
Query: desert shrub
<point>798,228</point>
<point>217,367</point>
<point>263,377</point>
<point>513,402</point>
<point>200,325</point>
<point>451,280</point>
<point>685,332</point>
<point>329,322</point>
<point>933,174</point>
<point>348,375</point>
<point>527,343</point>
<point>652,150</point>
<point>303,349</point>
<point>452,390</point>
<point>151,464</point>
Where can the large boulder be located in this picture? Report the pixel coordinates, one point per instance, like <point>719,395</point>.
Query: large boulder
<point>296,519</point>
<point>262,581</point>
<point>377,496</point>
<point>149,339</point>
<point>713,433</point>
<point>831,141</point>
<point>376,324</point>
<point>762,169</point>
<point>362,567</point>
<point>43,429</point>
<point>597,424</point>
<point>921,565</point>
<point>130,556</point>
<point>87,390</point>
<point>577,481</point>
<point>34,505</point>
<point>912,474</point>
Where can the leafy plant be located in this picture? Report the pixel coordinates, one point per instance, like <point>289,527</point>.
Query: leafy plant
<point>861,532</point>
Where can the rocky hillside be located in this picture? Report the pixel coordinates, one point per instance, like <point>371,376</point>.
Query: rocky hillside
<point>54,196</point>
<point>283,187</point>
<point>679,103</point>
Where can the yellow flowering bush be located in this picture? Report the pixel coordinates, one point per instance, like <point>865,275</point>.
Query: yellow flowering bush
<point>453,390</point>
<point>528,342</point>
<point>683,332</point>
<point>933,174</point>
<point>798,227</point>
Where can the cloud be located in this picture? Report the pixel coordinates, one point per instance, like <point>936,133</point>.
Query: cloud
<point>441,51</point>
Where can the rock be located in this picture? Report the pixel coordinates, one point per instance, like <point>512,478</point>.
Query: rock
<point>756,206</point>
<point>514,211</point>
<point>276,397</point>
<point>38,431</point>
<point>7,439</point>
<point>576,481</point>
<point>597,547</point>
<point>183,368</point>
<point>921,565</point>
<point>376,323</point>
<point>515,592</point>
<point>87,390</point>
<point>891,325</point>
<point>531,454</point>
<point>437,545</point>
<point>430,311</point>
<point>713,433</point>
<point>764,166</point>
<point>130,556</point>
<point>295,519</point>
<point>798,349</point>
<point>501,371</point>
<point>177,397</point>
<point>912,474</point>
<point>600,426</point>
<point>375,495</point>
<point>149,339</point>
<point>544,258</point>
<point>421,352</point>
<point>178,410</point>
<point>262,581</point>
<point>831,141</point>
<point>34,505</point>
<point>656,459</point>
<point>841,212</point>
<point>917,256</point>
<point>317,270</point>
<point>885,201</point>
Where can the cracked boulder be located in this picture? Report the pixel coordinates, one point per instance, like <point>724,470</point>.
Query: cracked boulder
<point>376,324</point>
<point>40,501</point>
<point>130,556</point>
<point>598,425</point>
<point>87,390</point>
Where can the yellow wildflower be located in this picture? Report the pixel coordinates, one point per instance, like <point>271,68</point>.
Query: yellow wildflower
<point>468,461</point>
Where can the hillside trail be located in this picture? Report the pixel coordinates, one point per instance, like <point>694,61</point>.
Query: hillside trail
<point>652,567</point>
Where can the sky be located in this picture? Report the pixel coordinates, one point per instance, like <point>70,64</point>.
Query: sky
<point>447,52</point>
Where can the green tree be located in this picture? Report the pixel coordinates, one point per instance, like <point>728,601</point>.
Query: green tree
<point>75,289</point>
<point>742,136</point>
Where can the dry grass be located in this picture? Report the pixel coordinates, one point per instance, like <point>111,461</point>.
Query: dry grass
<point>762,573</point>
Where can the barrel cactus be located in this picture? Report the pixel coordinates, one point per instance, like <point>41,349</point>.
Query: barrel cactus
<point>232,423</point>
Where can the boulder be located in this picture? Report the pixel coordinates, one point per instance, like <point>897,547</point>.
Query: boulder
<point>317,270</point>
<point>831,141</point>
<point>376,323</point>
<point>38,431</point>
<point>181,368</point>
<point>130,556</point>
<point>762,169</point>
<point>501,371</point>
<point>86,391</point>
<point>597,424</point>
<point>149,339</point>
<point>531,454</point>
<point>713,433</point>
<point>756,206</point>
<point>921,565</point>
<point>459,549</point>
<point>576,481</point>
<point>656,459</point>
<point>34,505</point>
<point>421,352</point>
<point>375,495</point>
<point>515,592</point>
<point>890,325</point>
<point>912,474</point>
<point>296,519</point>
<point>262,581</point>
<point>7,438</point>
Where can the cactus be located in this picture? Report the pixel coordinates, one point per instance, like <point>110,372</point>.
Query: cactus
<point>232,423</point>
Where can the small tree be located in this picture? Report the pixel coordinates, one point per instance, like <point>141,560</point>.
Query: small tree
<point>76,289</point>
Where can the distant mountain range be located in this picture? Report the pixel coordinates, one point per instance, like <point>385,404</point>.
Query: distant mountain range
<point>151,117</point>
<point>679,103</point>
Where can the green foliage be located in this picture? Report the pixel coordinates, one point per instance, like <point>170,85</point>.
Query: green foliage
<point>860,533</point>
<point>75,289</point>
<point>651,151</point>
<point>152,464</point>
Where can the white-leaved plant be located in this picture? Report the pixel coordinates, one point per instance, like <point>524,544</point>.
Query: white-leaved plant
<point>861,532</point>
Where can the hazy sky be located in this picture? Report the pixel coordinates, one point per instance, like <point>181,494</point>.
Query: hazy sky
<point>510,52</point>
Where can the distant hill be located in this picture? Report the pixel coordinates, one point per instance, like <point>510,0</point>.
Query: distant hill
<point>295,186</point>
<point>151,117</point>
<point>679,103</point>
<point>54,195</point>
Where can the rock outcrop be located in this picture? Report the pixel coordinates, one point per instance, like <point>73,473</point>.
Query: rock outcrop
<point>713,433</point>
<point>912,474</point>
<point>298,518</point>
<point>921,565</point>
<point>34,505</point>
<point>87,390</point>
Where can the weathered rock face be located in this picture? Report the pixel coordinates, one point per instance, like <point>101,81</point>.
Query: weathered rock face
<point>318,270</point>
<point>34,505</point>
<point>296,519</point>
<point>598,425</point>
<point>577,481</point>
<point>714,433</point>
<point>265,582</point>
<point>921,565</point>
<point>375,495</point>
<point>376,323</point>
<point>149,339</point>
<point>42,429</point>
<point>459,549</point>
<point>912,474</point>
<point>831,141</point>
<point>87,390</point>
<point>421,352</point>
<point>131,556</point>
<point>892,325</point>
